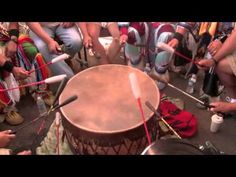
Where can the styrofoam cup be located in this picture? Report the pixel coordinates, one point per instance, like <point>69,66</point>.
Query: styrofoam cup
<point>216,122</point>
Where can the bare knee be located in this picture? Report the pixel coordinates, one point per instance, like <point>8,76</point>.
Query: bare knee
<point>225,73</point>
<point>223,67</point>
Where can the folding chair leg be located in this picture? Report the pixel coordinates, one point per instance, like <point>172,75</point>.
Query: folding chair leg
<point>85,55</point>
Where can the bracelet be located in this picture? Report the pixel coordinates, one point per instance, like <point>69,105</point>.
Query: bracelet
<point>215,62</point>
<point>8,66</point>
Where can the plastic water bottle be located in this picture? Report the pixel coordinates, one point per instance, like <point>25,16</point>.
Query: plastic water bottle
<point>191,83</point>
<point>147,68</point>
<point>41,105</point>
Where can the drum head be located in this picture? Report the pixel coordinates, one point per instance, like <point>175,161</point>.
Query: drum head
<point>172,147</point>
<point>105,101</point>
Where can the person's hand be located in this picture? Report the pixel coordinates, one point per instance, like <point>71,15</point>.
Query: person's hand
<point>28,152</point>
<point>67,24</point>
<point>11,48</point>
<point>6,137</point>
<point>123,39</point>
<point>173,43</point>
<point>87,41</point>
<point>20,73</point>
<point>214,46</point>
<point>205,64</point>
<point>54,47</point>
<point>222,107</point>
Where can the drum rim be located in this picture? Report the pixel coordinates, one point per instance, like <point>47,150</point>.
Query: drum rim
<point>116,131</point>
<point>147,148</point>
<point>172,140</point>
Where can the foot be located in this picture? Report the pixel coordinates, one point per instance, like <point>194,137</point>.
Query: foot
<point>14,118</point>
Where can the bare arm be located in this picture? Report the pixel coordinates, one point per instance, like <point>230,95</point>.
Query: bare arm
<point>2,60</point>
<point>37,29</point>
<point>181,29</point>
<point>87,41</point>
<point>11,45</point>
<point>53,46</point>
<point>83,28</point>
<point>223,107</point>
<point>227,48</point>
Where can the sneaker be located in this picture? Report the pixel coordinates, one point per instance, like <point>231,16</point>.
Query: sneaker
<point>14,118</point>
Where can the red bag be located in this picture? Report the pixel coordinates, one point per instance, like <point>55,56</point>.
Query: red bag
<point>183,122</point>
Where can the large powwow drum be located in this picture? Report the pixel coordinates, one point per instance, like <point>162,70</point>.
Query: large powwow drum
<point>105,119</point>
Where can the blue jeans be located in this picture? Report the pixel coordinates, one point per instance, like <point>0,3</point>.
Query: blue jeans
<point>72,41</point>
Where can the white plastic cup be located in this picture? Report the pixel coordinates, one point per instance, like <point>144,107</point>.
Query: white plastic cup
<point>216,122</point>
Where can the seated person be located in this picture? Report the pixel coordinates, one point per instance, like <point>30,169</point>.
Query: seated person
<point>224,61</point>
<point>93,31</point>
<point>141,41</point>
<point>8,74</point>
<point>43,35</point>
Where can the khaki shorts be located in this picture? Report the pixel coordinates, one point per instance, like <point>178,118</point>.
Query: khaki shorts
<point>232,62</point>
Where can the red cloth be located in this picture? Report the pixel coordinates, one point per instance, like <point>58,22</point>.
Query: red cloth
<point>183,122</point>
<point>44,70</point>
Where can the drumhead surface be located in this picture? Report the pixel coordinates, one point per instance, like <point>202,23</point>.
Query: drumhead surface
<point>105,101</point>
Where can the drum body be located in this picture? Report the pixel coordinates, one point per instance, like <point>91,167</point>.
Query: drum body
<point>172,147</point>
<point>105,119</point>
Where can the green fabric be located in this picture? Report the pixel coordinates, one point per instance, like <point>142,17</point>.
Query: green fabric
<point>30,50</point>
<point>48,145</point>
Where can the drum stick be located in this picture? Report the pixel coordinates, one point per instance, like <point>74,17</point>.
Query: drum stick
<point>181,91</point>
<point>67,101</point>
<point>149,105</point>
<point>59,90</point>
<point>29,123</point>
<point>166,47</point>
<point>137,94</point>
<point>57,59</point>
<point>49,80</point>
